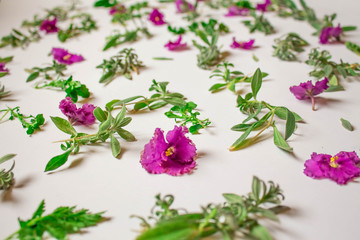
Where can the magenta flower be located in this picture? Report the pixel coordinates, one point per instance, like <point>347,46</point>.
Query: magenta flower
<point>341,168</point>
<point>2,67</point>
<point>244,45</point>
<point>183,6</point>
<point>237,11</point>
<point>177,45</point>
<point>157,17</point>
<point>263,6</point>
<point>77,116</point>
<point>174,157</point>
<point>49,26</point>
<point>118,8</point>
<point>64,57</point>
<point>329,34</point>
<point>307,90</point>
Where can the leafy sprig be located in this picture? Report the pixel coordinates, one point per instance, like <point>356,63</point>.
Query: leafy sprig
<point>259,23</point>
<point>105,3</point>
<point>18,38</point>
<point>231,78</point>
<point>353,47</point>
<point>31,123</point>
<point>287,8</point>
<point>58,224</point>
<point>237,217</point>
<point>250,106</point>
<point>324,67</point>
<point>3,93</point>
<point>210,28</point>
<point>210,54</point>
<point>177,30</point>
<point>118,38</point>
<point>81,23</point>
<point>73,89</point>
<point>125,62</point>
<point>7,176</point>
<point>46,73</point>
<point>287,46</point>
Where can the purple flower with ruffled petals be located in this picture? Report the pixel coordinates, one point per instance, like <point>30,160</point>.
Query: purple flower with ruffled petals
<point>329,34</point>
<point>2,67</point>
<point>177,45</point>
<point>237,11</point>
<point>118,8</point>
<point>156,17</point>
<point>341,168</point>
<point>307,90</point>
<point>183,6</point>
<point>244,45</point>
<point>49,26</point>
<point>263,6</point>
<point>77,116</point>
<point>174,157</point>
<point>64,57</point>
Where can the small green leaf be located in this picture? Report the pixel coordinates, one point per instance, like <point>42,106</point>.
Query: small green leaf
<point>128,136</point>
<point>6,158</point>
<point>267,213</point>
<point>280,142</point>
<point>256,82</point>
<point>233,198</point>
<point>107,77</point>
<point>115,146</point>
<point>57,161</point>
<point>290,124</point>
<point>175,101</point>
<point>216,87</point>
<point>328,70</point>
<point>157,105</point>
<point>124,122</point>
<point>348,28</point>
<point>260,232</point>
<point>346,124</point>
<point>120,116</point>
<point>240,140</point>
<point>256,188</point>
<point>40,210</point>
<point>104,126</point>
<point>341,70</point>
<point>63,125</point>
<point>100,114</point>
<point>2,74</point>
<point>32,76</point>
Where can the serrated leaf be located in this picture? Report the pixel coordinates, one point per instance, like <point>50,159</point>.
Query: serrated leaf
<point>290,124</point>
<point>280,142</point>
<point>115,146</point>
<point>64,125</point>
<point>256,82</point>
<point>6,158</point>
<point>57,161</point>
<point>100,114</point>
<point>346,124</point>
<point>32,76</point>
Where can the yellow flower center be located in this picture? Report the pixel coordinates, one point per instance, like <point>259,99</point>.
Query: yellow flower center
<point>67,57</point>
<point>157,19</point>
<point>333,162</point>
<point>169,151</point>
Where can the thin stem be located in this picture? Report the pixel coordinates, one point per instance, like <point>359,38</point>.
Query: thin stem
<point>267,125</point>
<point>76,138</point>
<point>313,102</point>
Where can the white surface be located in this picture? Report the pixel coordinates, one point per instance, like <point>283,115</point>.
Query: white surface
<point>95,180</point>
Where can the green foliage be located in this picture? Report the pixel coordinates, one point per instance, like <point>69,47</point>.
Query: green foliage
<point>259,23</point>
<point>177,31</point>
<point>46,73</point>
<point>353,47</point>
<point>287,8</point>
<point>210,54</point>
<point>7,176</point>
<point>120,38</point>
<point>3,93</point>
<point>123,63</point>
<point>210,28</point>
<point>346,124</point>
<point>86,24</point>
<point>31,123</point>
<point>20,39</point>
<point>105,3</point>
<point>288,45</point>
<point>58,224</point>
<point>237,215</point>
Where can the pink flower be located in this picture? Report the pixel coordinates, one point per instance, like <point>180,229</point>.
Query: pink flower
<point>340,168</point>
<point>77,116</point>
<point>263,6</point>
<point>307,90</point>
<point>183,6</point>
<point>244,45</point>
<point>118,8</point>
<point>177,45</point>
<point>329,34</point>
<point>174,157</point>
<point>64,57</point>
<point>2,67</point>
<point>157,17</point>
<point>49,26</point>
<point>237,11</point>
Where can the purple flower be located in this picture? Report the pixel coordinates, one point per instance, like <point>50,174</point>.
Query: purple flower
<point>64,57</point>
<point>237,11</point>
<point>77,116</point>
<point>174,157</point>
<point>340,168</point>
<point>263,6</point>
<point>183,6</point>
<point>177,45</point>
<point>2,67</point>
<point>118,8</point>
<point>49,26</point>
<point>157,17</point>
<point>244,45</point>
<point>307,90</point>
<point>330,33</point>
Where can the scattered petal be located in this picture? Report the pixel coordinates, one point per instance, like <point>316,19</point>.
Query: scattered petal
<point>77,116</point>
<point>237,11</point>
<point>183,6</point>
<point>177,45</point>
<point>244,45</point>
<point>64,57</point>
<point>2,67</point>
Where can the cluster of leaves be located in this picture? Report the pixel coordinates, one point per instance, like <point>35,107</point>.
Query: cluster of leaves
<point>287,8</point>
<point>288,45</point>
<point>210,28</point>
<point>216,4</point>
<point>237,217</point>
<point>58,224</point>
<point>109,126</point>
<point>105,3</point>
<point>210,54</point>
<point>47,73</point>
<point>118,38</point>
<point>81,23</point>
<point>20,39</point>
<point>3,93</point>
<point>324,67</point>
<point>353,47</point>
<point>73,89</point>
<point>259,23</point>
<point>31,123</point>
<point>7,176</point>
<point>5,60</point>
<point>231,78</point>
<point>123,63</point>
<point>181,111</point>
<point>250,106</point>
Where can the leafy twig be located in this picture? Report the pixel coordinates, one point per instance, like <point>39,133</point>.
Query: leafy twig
<point>47,73</point>
<point>259,23</point>
<point>209,55</point>
<point>287,45</point>
<point>7,177</point>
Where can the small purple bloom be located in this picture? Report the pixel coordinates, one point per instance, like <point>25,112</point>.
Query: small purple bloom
<point>263,6</point>
<point>118,8</point>
<point>341,168</point>
<point>77,116</point>
<point>329,34</point>
<point>174,157</point>
<point>183,6</point>
<point>2,67</point>
<point>49,26</point>
<point>244,45</point>
<point>237,11</point>
<point>307,90</point>
<point>64,57</point>
<point>157,17</point>
<point>177,45</point>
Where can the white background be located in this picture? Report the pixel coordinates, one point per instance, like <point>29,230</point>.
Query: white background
<point>95,180</point>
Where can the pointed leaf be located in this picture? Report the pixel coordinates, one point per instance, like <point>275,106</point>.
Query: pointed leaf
<point>290,124</point>
<point>256,82</point>
<point>99,114</point>
<point>240,140</point>
<point>120,116</point>
<point>128,136</point>
<point>175,101</point>
<point>32,76</point>
<point>260,232</point>
<point>57,161</point>
<point>115,146</point>
<point>63,125</point>
<point>346,124</point>
<point>40,210</point>
<point>6,158</point>
<point>280,142</point>
<point>233,198</point>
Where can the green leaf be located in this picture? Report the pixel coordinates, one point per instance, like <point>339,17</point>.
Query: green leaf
<point>6,158</point>
<point>256,82</point>
<point>216,87</point>
<point>100,114</point>
<point>233,198</point>
<point>267,213</point>
<point>2,74</point>
<point>203,36</point>
<point>260,232</point>
<point>175,101</point>
<point>280,142</point>
<point>240,140</point>
<point>124,122</point>
<point>32,76</point>
<point>139,105</point>
<point>281,112</point>
<point>57,161</point>
<point>333,81</point>
<point>40,210</point>
<point>328,70</point>
<point>341,70</point>
<point>256,188</point>
<point>128,136</point>
<point>64,125</point>
<point>290,124</point>
<point>346,124</point>
<point>104,126</point>
<point>115,146</point>
<point>157,105</point>
<point>348,28</point>
<point>107,77</point>
<point>120,116</point>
